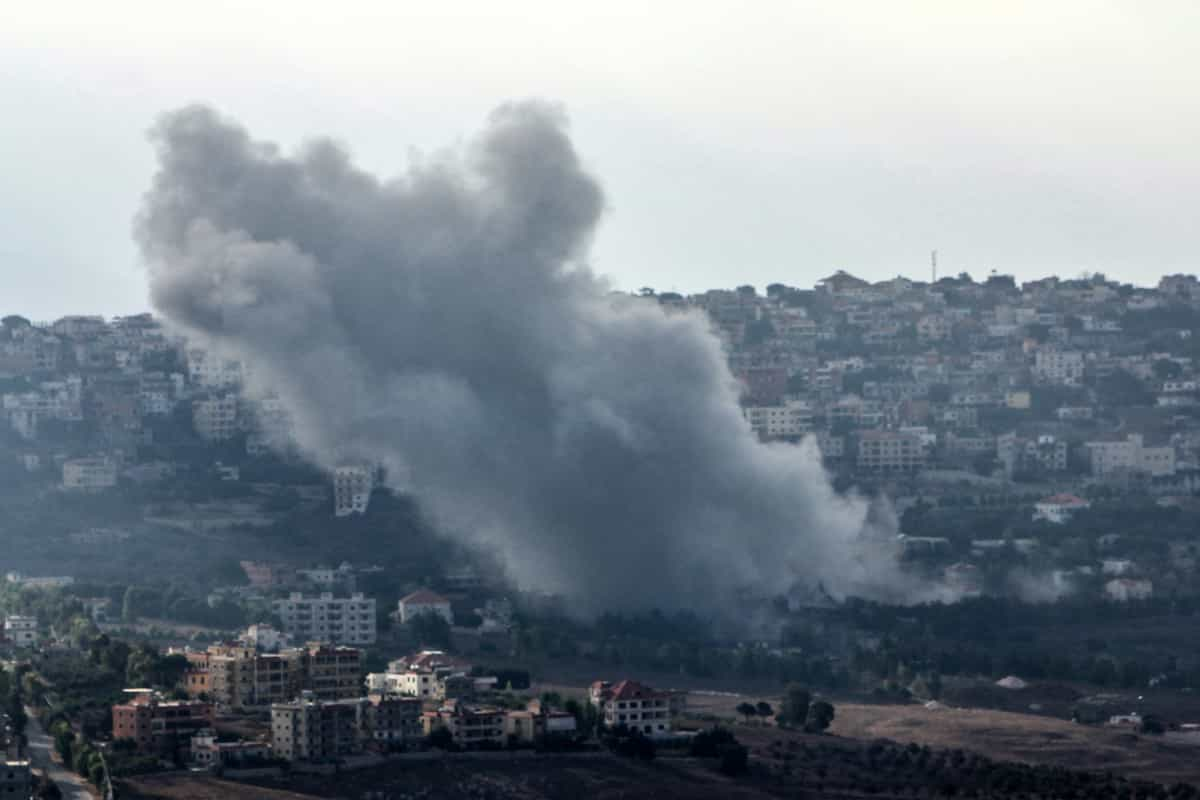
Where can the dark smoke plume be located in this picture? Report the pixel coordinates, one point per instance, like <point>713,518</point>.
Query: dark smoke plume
<point>443,323</point>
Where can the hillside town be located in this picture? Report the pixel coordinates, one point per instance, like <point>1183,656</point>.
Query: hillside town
<point>183,590</point>
<point>942,397</point>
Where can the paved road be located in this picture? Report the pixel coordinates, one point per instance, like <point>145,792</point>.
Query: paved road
<point>41,746</point>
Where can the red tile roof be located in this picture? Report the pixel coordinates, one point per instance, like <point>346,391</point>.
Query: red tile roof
<point>632,690</point>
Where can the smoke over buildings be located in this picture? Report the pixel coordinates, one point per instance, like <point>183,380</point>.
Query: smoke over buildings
<point>445,324</point>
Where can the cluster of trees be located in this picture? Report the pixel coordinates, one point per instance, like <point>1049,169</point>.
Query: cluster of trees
<point>679,643</point>
<point>13,697</point>
<point>799,710</point>
<point>760,709</point>
<point>174,603</point>
<point>994,637</point>
<point>720,743</point>
<point>884,768</point>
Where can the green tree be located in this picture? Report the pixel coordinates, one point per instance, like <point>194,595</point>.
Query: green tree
<point>820,715</point>
<point>764,709</point>
<point>794,709</point>
<point>747,710</point>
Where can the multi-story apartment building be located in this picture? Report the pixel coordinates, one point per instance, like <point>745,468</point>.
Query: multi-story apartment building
<point>210,371</point>
<point>245,678</point>
<point>469,726</point>
<point>312,730</point>
<point>1062,367</point>
<point>393,721</point>
<point>889,452</point>
<point>333,673</point>
<point>325,618</point>
<point>793,418</point>
<point>352,486</point>
<point>158,726</point>
<point>242,677</point>
<point>1041,454</point>
<point>1130,454</point>
<point>215,418</point>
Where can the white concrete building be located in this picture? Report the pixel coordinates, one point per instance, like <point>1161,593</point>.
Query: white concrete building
<point>266,638</point>
<point>352,487</point>
<point>1130,455</point>
<point>933,328</point>
<point>211,371</point>
<point>46,582</point>
<point>424,601</point>
<point>793,418</point>
<point>216,418</point>
<point>89,474</point>
<point>636,706</point>
<point>1062,367</point>
<point>1059,508</point>
<point>20,630</point>
<point>325,618</point>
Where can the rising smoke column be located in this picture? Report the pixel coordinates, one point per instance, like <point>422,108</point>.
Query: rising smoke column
<point>443,323</point>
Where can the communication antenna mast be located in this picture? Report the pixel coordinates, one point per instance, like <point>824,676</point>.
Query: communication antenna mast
<point>933,263</point>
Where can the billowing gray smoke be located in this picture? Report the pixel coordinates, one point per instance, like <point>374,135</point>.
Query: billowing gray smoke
<point>443,324</point>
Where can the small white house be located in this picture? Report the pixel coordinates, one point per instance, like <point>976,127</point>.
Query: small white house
<point>1058,508</point>
<point>424,601</point>
<point>20,630</point>
<point>266,638</point>
<point>1125,589</point>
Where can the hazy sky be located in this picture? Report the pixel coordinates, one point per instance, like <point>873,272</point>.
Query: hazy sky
<point>737,142</point>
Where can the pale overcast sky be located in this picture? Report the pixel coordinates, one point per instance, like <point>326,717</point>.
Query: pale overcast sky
<point>750,141</point>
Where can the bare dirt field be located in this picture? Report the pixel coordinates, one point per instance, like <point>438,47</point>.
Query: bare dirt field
<point>603,778</point>
<point>1024,737</point>
<point>198,786</point>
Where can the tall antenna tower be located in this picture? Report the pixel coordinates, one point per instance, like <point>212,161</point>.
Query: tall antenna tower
<point>933,263</point>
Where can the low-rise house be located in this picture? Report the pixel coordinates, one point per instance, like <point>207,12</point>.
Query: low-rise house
<point>1059,508</point>
<point>266,638</point>
<point>428,675</point>
<point>635,706</point>
<point>423,601</point>
<point>537,724</point>
<point>470,726</point>
<point>89,474</point>
<point>21,630</point>
<point>209,753</point>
